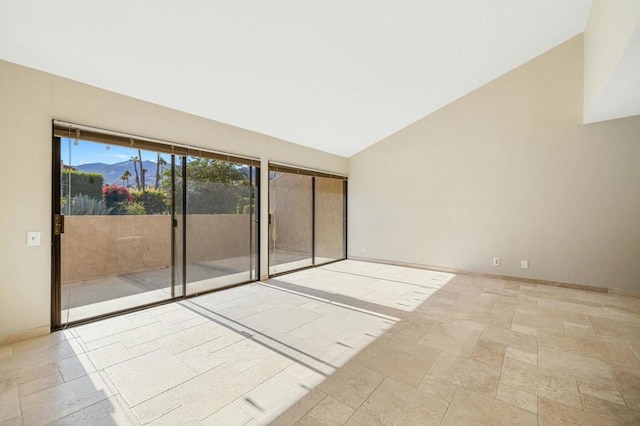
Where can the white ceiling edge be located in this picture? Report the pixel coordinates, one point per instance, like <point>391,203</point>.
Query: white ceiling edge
<point>337,76</point>
<point>612,60</point>
<point>620,97</point>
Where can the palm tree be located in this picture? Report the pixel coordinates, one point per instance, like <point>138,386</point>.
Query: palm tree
<point>142,170</point>
<point>125,177</point>
<point>135,168</point>
<point>159,166</point>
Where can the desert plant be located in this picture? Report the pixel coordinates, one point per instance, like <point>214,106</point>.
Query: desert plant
<point>85,205</point>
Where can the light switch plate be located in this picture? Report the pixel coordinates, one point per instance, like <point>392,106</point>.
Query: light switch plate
<point>33,238</point>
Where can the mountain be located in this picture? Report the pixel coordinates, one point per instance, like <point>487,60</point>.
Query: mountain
<point>112,172</point>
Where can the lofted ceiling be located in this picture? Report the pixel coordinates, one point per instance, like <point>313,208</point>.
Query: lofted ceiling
<point>333,75</point>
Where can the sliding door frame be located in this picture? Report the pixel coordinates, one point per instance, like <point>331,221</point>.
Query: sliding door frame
<point>148,143</point>
<point>285,168</point>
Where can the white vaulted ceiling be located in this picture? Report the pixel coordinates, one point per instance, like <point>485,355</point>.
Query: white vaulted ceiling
<point>336,75</point>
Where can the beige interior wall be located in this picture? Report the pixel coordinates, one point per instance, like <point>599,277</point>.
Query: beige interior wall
<point>507,171</point>
<point>29,100</point>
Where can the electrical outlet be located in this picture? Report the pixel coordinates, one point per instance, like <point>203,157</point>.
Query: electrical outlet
<point>496,261</point>
<point>362,248</point>
<point>524,264</point>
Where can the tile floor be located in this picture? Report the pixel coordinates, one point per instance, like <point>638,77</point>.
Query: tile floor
<point>348,343</point>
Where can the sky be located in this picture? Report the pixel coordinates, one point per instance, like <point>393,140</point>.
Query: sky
<point>91,152</point>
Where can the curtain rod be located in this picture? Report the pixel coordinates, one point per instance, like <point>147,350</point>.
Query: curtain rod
<point>307,169</point>
<point>143,138</point>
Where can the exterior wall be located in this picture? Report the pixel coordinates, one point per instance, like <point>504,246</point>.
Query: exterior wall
<point>507,171</point>
<point>102,246</point>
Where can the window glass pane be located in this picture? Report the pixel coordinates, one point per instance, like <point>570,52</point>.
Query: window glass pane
<point>219,224</point>
<point>329,220</point>
<point>291,222</point>
<point>116,245</point>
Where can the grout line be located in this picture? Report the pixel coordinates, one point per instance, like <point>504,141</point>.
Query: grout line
<point>367,398</point>
<point>446,412</point>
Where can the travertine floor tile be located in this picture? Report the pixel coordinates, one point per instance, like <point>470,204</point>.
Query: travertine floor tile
<point>9,404</point>
<point>299,409</point>
<point>40,384</point>
<point>523,342</point>
<point>517,397</point>
<point>106,356</point>
<point>470,407</point>
<point>438,388</point>
<point>557,414</point>
<point>349,342</point>
<point>203,395</point>
<point>491,354</point>
<point>396,403</point>
<point>148,375</point>
<point>466,373</point>
<point>179,416</point>
<point>59,401</point>
<point>351,384</point>
<point>108,412</point>
<point>575,365</point>
<point>604,408</point>
<point>615,328</point>
<point>601,388</point>
<point>457,339</point>
<point>156,407</point>
<point>527,357</point>
<point>541,382</point>
<point>329,411</point>
<point>408,363</point>
<point>629,384</point>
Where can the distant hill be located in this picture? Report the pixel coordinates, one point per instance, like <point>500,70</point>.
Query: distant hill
<point>112,172</point>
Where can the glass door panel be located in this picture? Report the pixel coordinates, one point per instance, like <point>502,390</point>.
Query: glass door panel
<point>329,220</point>
<point>219,224</point>
<point>290,222</point>
<point>116,246</point>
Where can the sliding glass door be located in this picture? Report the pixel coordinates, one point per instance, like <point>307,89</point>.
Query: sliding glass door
<point>220,225</point>
<point>307,219</point>
<point>290,222</point>
<point>116,245</point>
<point>330,220</point>
<point>134,226</point>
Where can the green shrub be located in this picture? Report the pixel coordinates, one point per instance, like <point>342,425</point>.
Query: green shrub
<point>155,201</point>
<point>134,209</point>
<point>89,184</point>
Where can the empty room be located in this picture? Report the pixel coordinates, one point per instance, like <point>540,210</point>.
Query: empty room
<point>320,213</point>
